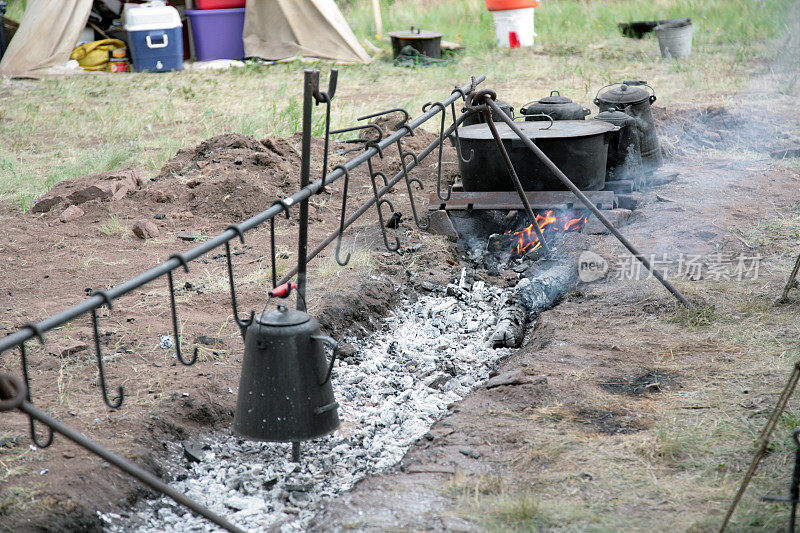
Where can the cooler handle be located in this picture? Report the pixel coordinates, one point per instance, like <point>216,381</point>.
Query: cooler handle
<point>163,44</point>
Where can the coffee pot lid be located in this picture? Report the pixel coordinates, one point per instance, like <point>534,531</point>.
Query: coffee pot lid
<point>625,94</point>
<point>614,116</point>
<point>282,316</point>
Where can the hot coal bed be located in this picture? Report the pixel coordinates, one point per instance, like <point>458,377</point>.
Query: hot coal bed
<point>441,342</point>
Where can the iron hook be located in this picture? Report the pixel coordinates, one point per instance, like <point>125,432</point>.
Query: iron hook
<point>174,310</point>
<point>26,378</point>
<point>398,125</point>
<point>458,139</point>
<point>409,180</point>
<point>243,324</point>
<point>99,354</point>
<point>378,203</point>
<point>324,97</point>
<point>341,220</point>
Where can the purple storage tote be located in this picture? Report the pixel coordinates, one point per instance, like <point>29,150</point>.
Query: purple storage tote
<point>217,33</point>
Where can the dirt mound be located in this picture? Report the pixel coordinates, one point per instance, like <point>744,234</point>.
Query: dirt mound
<point>230,176</point>
<point>105,186</point>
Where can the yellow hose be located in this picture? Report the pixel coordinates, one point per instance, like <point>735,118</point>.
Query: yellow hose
<point>94,55</point>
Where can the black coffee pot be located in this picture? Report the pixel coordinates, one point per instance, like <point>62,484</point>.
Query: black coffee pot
<point>632,98</point>
<point>285,392</point>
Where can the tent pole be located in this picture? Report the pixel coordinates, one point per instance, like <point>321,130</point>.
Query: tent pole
<point>376,11</point>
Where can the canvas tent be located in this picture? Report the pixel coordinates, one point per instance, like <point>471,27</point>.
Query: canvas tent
<point>46,36</point>
<point>274,29</point>
<point>280,29</point>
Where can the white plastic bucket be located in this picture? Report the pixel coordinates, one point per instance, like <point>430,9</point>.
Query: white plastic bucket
<point>675,39</point>
<point>514,27</point>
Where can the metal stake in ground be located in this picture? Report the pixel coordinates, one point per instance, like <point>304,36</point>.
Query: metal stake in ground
<point>794,488</point>
<point>515,180</point>
<point>790,283</point>
<point>582,197</point>
<point>12,396</point>
<point>310,83</point>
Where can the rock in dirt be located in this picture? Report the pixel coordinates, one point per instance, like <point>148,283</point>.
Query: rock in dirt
<point>348,351</point>
<point>209,341</point>
<point>71,213</point>
<point>112,185</point>
<point>513,377</point>
<point>67,347</point>
<point>192,452</point>
<point>469,452</point>
<point>145,229</point>
<point>186,235</point>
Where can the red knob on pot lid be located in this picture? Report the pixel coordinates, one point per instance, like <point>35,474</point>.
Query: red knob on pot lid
<point>625,94</point>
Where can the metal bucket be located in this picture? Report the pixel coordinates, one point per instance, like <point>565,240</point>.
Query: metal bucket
<point>675,39</point>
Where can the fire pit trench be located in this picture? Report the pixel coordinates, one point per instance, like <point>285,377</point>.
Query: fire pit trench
<point>431,352</point>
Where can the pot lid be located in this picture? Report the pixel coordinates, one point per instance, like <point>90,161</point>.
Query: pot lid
<point>555,98</point>
<point>625,94</point>
<point>282,316</point>
<point>561,129</point>
<point>614,116</point>
<point>416,33</point>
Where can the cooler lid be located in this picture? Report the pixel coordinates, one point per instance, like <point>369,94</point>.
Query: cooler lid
<point>539,129</point>
<point>155,15</point>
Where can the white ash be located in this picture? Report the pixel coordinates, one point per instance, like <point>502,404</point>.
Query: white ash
<point>430,353</point>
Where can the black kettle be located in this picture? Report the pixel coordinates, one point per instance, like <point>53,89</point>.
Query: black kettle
<point>285,392</point>
<point>631,98</point>
<point>556,107</point>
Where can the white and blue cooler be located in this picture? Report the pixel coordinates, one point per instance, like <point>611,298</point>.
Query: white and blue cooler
<point>155,36</point>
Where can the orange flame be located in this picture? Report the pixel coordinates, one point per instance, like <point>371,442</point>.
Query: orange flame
<point>526,239</point>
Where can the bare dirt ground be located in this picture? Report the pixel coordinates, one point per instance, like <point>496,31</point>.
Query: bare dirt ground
<point>633,412</point>
<point>50,264</point>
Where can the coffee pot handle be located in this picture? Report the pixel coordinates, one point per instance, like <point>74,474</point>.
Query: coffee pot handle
<point>333,344</point>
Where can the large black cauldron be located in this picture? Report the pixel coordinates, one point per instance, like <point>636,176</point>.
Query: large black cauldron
<point>578,147</point>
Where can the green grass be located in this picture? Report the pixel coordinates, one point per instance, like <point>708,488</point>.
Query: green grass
<point>567,25</point>
<point>63,128</point>
<point>15,9</point>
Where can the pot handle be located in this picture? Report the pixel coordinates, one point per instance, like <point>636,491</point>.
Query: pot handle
<point>415,29</point>
<point>524,108</point>
<point>642,82</point>
<point>335,346</point>
<point>548,118</point>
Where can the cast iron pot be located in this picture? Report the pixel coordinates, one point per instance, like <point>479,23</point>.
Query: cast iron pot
<point>578,147</point>
<point>425,42</point>
<point>556,107</point>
